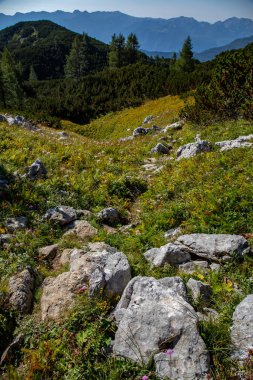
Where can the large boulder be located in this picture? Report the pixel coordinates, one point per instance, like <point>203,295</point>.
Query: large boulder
<point>192,149</point>
<point>215,247</point>
<point>36,170</point>
<point>155,321</point>
<point>171,253</point>
<point>241,331</point>
<point>61,215</point>
<point>96,268</point>
<point>21,291</point>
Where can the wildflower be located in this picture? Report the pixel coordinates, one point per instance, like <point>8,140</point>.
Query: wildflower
<point>82,289</point>
<point>145,377</point>
<point>169,352</point>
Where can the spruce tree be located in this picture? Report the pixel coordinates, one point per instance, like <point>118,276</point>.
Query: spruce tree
<point>132,47</point>
<point>117,50</point>
<point>77,63</point>
<point>32,75</point>
<point>11,85</point>
<point>185,61</point>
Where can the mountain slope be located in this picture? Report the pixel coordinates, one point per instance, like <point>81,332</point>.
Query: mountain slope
<point>43,45</point>
<point>154,34</point>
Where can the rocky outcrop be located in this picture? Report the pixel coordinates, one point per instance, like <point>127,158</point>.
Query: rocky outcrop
<point>18,120</point>
<point>109,216</point>
<point>171,253</point>
<point>240,142</point>
<point>36,170</point>
<point>82,229</point>
<point>192,149</point>
<point>21,291</point>
<point>155,321</point>
<point>175,126</point>
<point>215,247</point>
<point>143,131</point>
<point>242,328</point>
<point>96,268</point>
<point>13,224</point>
<point>199,291</point>
<point>161,149</point>
<point>61,215</point>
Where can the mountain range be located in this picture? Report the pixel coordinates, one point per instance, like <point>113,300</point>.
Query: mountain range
<point>154,34</point>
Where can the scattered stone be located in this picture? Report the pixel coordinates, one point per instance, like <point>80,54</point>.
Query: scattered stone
<point>240,142</point>
<point>192,149</point>
<point>215,267</point>
<point>81,228</point>
<point>13,224</point>
<point>84,214</point>
<point>37,169</point>
<point>194,266</point>
<point>61,215</point>
<point>199,291</point>
<point>49,252</point>
<point>174,126</point>
<point>20,291</point>
<point>215,247</point>
<point>161,149</point>
<point>96,268</point>
<point>5,238</point>
<point>3,118</point>
<point>208,315</point>
<point>148,119</point>
<point>63,135</point>
<point>109,216</point>
<point>128,138</point>
<point>152,317</point>
<point>140,131</point>
<point>172,233</point>
<point>171,253</point>
<point>241,331</point>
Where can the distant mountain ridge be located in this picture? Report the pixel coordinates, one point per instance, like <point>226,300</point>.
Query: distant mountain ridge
<point>154,34</point>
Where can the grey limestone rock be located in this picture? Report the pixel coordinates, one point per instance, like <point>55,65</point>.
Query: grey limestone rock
<point>61,215</point>
<point>199,291</point>
<point>192,149</point>
<point>20,291</point>
<point>171,253</point>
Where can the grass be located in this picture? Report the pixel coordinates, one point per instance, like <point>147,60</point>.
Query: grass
<point>209,193</point>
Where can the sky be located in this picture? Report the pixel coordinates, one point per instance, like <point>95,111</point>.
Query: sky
<point>205,10</point>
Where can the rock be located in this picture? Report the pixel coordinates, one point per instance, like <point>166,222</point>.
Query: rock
<point>61,215</point>
<point>241,331</point>
<point>3,118</point>
<point>172,232</point>
<point>199,291</point>
<point>81,228</point>
<point>215,267</point>
<point>161,149</point>
<point>151,319</point>
<point>84,214</point>
<point>65,256</point>
<point>174,126</point>
<point>148,119</point>
<point>208,315</point>
<point>128,138</point>
<point>192,149</point>
<point>140,131</point>
<point>194,266</point>
<point>240,142</point>
<point>49,252</point>
<point>36,170</point>
<point>13,224</point>
<point>63,135</point>
<point>109,216</point>
<point>7,355</point>
<point>171,253</point>
<point>176,284</point>
<point>215,247</point>
<point>20,291</point>
<point>96,268</point>
<point>5,238</point>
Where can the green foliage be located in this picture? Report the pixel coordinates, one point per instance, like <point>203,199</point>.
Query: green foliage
<point>230,91</point>
<point>185,61</point>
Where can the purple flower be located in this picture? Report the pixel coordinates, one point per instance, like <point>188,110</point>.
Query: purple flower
<point>145,377</point>
<point>169,352</point>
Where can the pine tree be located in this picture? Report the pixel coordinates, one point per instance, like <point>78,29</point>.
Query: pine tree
<point>32,76</point>
<point>77,63</point>
<point>117,50</point>
<point>185,61</point>
<point>132,47</point>
<point>11,84</point>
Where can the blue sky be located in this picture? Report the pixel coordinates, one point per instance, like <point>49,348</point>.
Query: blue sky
<point>207,10</point>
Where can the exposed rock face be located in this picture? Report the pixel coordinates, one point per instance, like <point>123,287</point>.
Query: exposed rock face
<point>109,216</point>
<point>81,228</point>
<point>37,169</point>
<point>192,149</point>
<point>13,224</point>
<point>161,149</point>
<point>199,291</point>
<point>171,253</point>
<point>154,320</point>
<point>240,142</point>
<point>242,328</point>
<point>97,268</point>
<point>20,291</point>
<point>49,252</point>
<point>61,215</point>
<point>215,247</point>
